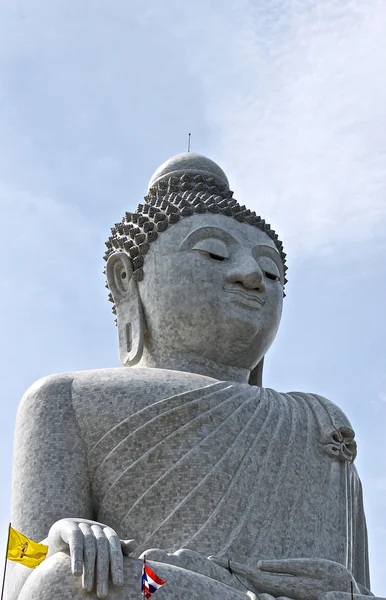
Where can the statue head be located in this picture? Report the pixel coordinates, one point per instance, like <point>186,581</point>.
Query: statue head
<point>194,275</point>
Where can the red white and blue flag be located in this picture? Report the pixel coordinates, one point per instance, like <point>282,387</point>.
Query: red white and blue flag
<point>150,581</point>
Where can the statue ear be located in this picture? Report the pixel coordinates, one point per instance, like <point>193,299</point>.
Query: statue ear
<point>130,318</point>
<point>256,375</point>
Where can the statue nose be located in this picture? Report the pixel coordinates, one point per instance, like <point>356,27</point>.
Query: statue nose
<point>248,274</point>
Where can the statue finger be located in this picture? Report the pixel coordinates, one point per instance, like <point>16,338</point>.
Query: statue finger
<point>308,567</point>
<point>277,585</point>
<point>116,557</point>
<point>89,554</point>
<point>290,566</point>
<point>102,562</point>
<point>264,582</point>
<point>75,544</point>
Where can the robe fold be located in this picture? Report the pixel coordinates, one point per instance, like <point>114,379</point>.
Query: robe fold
<point>236,471</point>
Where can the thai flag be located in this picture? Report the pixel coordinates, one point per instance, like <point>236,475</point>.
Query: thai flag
<point>150,581</point>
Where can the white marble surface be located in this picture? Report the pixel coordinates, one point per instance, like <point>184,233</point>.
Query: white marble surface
<point>180,452</point>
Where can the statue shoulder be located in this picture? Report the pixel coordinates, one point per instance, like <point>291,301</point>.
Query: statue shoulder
<point>336,432</point>
<point>320,403</point>
<point>54,393</point>
<point>57,389</point>
<point>49,391</point>
<point>90,390</point>
<point>134,382</point>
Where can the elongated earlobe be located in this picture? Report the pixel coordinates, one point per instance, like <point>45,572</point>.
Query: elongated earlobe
<point>128,305</point>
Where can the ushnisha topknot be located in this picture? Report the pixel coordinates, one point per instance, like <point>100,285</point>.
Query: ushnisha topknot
<point>185,185</point>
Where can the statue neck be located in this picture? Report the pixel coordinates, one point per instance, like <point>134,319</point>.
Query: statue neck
<point>193,364</point>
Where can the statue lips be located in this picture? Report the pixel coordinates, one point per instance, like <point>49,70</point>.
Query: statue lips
<point>249,298</point>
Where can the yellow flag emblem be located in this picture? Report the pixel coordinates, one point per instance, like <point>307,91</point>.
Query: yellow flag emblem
<point>25,551</point>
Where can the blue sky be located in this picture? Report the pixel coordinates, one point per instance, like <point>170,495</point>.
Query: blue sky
<point>290,100</point>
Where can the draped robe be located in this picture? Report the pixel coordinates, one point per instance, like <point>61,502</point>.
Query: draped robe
<point>236,471</point>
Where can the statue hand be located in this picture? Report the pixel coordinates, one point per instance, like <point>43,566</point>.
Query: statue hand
<point>95,549</point>
<point>299,578</point>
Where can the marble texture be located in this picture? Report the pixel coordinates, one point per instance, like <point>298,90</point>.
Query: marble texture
<point>187,482</point>
<point>231,490</point>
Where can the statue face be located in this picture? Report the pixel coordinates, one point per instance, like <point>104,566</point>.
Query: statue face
<point>213,287</point>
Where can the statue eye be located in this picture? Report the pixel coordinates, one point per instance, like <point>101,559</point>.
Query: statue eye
<point>213,256</point>
<point>271,276</point>
<point>213,249</point>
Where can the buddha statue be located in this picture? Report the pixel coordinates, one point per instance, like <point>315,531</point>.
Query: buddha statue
<point>230,489</point>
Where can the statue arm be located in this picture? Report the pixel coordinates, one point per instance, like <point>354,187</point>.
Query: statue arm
<point>50,472</point>
<point>299,579</point>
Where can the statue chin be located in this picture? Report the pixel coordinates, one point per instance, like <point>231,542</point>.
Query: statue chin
<point>231,490</point>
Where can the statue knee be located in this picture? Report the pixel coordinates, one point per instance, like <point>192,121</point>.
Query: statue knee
<point>50,580</point>
<point>53,580</point>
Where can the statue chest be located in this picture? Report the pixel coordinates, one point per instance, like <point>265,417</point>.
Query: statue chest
<point>225,467</point>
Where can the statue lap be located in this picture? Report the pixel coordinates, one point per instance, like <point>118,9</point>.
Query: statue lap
<point>53,580</point>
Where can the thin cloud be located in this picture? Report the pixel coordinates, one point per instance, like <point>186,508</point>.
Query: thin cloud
<point>299,103</point>
<point>51,264</point>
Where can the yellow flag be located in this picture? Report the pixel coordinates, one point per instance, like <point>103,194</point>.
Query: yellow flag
<point>23,550</point>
